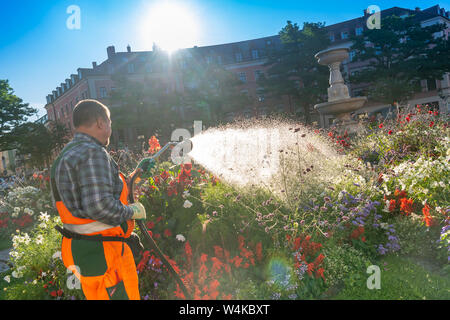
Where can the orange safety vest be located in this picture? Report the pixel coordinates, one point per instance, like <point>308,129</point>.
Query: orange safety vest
<point>106,269</point>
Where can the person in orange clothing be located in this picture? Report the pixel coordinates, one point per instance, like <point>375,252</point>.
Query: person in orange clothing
<point>91,196</point>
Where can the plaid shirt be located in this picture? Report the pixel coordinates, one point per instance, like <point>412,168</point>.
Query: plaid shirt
<point>88,181</point>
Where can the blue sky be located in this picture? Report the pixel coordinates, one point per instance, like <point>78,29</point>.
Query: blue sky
<point>38,51</point>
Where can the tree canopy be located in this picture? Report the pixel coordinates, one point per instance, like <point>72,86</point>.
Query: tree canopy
<point>399,55</point>
<point>13,113</point>
<point>293,70</point>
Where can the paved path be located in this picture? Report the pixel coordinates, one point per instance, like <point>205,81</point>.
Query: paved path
<point>4,255</point>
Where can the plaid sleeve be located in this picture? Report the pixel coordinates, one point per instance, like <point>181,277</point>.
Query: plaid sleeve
<point>97,190</point>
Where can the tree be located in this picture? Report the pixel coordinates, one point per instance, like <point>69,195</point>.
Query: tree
<point>13,113</point>
<point>40,142</point>
<point>293,70</point>
<point>399,55</point>
<point>212,91</point>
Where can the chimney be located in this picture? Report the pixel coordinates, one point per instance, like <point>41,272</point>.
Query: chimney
<point>110,51</point>
<point>128,48</point>
<point>94,64</point>
<point>55,94</point>
<point>48,99</point>
<point>72,77</point>
<point>68,84</point>
<point>365,14</point>
<point>417,9</point>
<point>63,87</point>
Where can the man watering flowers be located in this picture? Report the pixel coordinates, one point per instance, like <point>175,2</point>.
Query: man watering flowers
<point>91,197</point>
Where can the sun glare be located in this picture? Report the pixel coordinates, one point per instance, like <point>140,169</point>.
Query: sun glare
<point>169,25</point>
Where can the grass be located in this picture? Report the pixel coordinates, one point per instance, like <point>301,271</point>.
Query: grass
<point>402,278</point>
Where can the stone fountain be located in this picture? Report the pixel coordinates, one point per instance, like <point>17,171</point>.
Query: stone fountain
<point>339,104</point>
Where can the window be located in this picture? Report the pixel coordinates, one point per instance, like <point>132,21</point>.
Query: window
<point>255,54</point>
<point>258,74</point>
<point>344,35</point>
<point>208,60</point>
<point>431,84</point>
<point>332,37</point>
<point>102,92</point>
<point>359,31</point>
<point>351,55</point>
<point>131,68</point>
<point>238,56</point>
<point>242,77</point>
<point>219,59</point>
<point>245,91</point>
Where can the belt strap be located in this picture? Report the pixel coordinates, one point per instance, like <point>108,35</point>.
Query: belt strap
<point>72,235</point>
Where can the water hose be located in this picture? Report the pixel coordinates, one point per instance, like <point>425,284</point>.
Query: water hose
<point>131,179</point>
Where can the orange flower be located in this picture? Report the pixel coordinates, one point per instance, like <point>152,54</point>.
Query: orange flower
<point>153,145</point>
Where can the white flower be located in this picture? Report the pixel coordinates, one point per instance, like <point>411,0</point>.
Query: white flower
<point>7,279</point>
<point>43,225</point>
<point>442,184</point>
<point>186,194</point>
<point>16,209</point>
<point>57,255</point>
<point>187,204</point>
<point>39,239</point>
<point>180,237</point>
<point>44,216</point>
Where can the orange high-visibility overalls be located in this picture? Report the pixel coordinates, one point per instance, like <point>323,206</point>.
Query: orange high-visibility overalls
<point>105,267</point>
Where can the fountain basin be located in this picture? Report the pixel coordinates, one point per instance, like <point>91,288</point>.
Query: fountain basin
<point>332,55</point>
<point>340,108</point>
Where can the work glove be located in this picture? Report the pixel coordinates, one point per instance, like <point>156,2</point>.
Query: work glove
<point>138,211</point>
<point>146,164</point>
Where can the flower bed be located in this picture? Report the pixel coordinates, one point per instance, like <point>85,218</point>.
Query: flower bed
<point>298,242</point>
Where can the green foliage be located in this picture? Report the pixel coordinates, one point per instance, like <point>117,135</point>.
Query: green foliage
<point>401,279</point>
<point>293,70</point>
<point>38,272</point>
<point>13,113</point>
<point>401,53</point>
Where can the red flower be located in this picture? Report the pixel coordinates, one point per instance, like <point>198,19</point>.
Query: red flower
<point>167,233</point>
<point>259,251</point>
<point>150,224</point>
<point>407,119</point>
<point>389,132</point>
<point>53,293</point>
<point>380,126</point>
<point>392,205</point>
<point>406,205</point>
<point>431,123</point>
<point>319,273</point>
<point>164,175</point>
<point>153,145</point>
<point>427,216</point>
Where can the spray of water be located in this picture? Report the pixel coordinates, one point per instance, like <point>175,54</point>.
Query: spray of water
<point>260,152</point>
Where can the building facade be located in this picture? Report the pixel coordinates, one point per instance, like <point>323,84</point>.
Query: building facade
<point>246,59</point>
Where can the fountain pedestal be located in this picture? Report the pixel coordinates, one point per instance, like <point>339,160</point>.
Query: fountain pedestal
<point>339,103</point>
